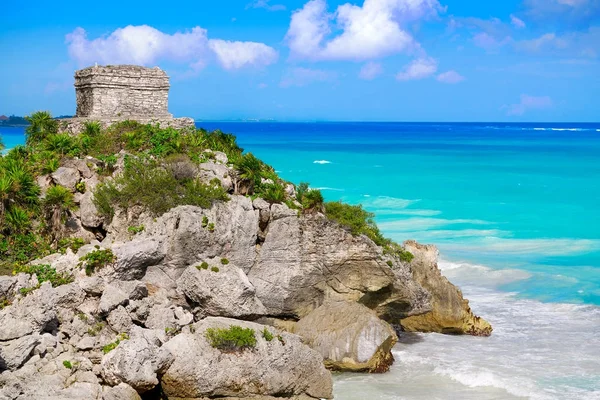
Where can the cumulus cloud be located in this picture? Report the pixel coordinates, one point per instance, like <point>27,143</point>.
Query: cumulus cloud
<point>300,76</point>
<point>418,69</point>
<point>450,77</point>
<point>235,55</point>
<point>265,4</point>
<point>370,71</point>
<point>517,22</point>
<point>146,45</point>
<point>376,29</point>
<point>529,103</point>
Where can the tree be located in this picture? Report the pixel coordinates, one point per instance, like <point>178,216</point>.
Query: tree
<point>41,125</point>
<point>17,186</point>
<point>249,173</point>
<point>57,204</point>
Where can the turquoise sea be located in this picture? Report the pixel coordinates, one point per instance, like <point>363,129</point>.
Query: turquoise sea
<point>515,211</point>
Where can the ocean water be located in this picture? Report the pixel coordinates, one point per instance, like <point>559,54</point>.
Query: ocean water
<point>515,211</point>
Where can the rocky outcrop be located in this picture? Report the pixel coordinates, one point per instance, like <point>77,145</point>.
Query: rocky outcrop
<point>281,368</point>
<point>451,312</point>
<point>305,261</point>
<point>349,337</point>
<point>221,291</point>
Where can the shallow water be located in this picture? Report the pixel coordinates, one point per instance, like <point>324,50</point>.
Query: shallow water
<point>514,211</point>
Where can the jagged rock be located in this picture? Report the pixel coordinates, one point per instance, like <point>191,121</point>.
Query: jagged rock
<point>92,285</point>
<point>120,392</point>
<point>119,320</point>
<point>349,336</point>
<point>112,297</point>
<point>88,213</point>
<point>274,368</point>
<point>87,343</point>
<point>14,353</point>
<point>226,293</point>
<point>136,362</point>
<point>7,284</point>
<point>189,242</point>
<point>67,177</point>
<point>79,165</point>
<point>305,261</point>
<point>69,296</point>
<point>44,182</point>
<point>170,317</point>
<point>63,263</point>
<point>33,314</point>
<point>134,257</point>
<point>210,171</point>
<point>451,312</point>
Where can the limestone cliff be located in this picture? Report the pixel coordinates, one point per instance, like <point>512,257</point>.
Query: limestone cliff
<point>450,312</point>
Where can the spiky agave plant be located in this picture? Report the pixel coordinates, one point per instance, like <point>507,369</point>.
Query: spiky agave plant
<point>17,220</point>
<point>17,185</point>
<point>249,173</point>
<point>60,143</point>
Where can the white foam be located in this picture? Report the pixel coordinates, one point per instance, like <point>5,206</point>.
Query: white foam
<point>462,273</point>
<point>321,162</point>
<point>329,188</point>
<point>387,203</point>
<point>421,224</point>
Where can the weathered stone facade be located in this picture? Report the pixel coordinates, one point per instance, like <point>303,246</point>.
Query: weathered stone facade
<point>114,93</point>
<point>122,91</point>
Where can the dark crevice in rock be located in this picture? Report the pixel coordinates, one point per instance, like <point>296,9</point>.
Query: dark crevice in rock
<point>154,394</point>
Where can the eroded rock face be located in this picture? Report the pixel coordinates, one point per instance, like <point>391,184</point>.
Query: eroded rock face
<point>278,368</point>
<point>308,260</point>
<point>349,336</point>
<point>33,314</point>
<point>224,291</point>
<point>451,312</point>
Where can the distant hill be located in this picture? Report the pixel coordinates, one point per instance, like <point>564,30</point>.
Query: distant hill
<point>13,120</point>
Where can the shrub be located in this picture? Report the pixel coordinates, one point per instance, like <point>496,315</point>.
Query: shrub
<point>312,200</point>
<point>70,243</point>
<point>25,291</point>
<point>155,188</point>
<point>273,193</point>
<point>234,338</point>
<point>41,125</point>
<point>390,264</point>
<point>17,220</point>
<point>61,143</point>
<point>4,302</point>
<point>57,203</point>
<point>268,336</point>
<point>224,261</point>
<point>97,259</point>
<point>204,265</point>
<point>67,364</point>
<point>204,221</point>
<point>80,187</point>
<point>45,273</point>
<point>95,329</point>
<point>211,227</point>
<point>134,230</point>
<point>215,269</point>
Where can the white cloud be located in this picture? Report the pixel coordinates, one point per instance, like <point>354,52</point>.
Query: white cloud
<point>489,42</point>
<point>529,103</point>
<point>370,71</point>
<point>265,4</point>
<point>517,22</point>
<point>145,45</point>
<point>235,55</point>
<point>304,76</point>
<point>376,29</point>
<point>451,77</point>
<point>544,42</point>
<point>418,69</point>
<point>573,12</point>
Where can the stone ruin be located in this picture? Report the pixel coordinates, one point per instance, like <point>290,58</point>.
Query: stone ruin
<point>114,93</point>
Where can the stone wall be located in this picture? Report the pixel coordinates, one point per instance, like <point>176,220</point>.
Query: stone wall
<point>75,126</point>
<point>122,91</point>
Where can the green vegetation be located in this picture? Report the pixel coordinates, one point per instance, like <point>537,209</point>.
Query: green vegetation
<point>67,364</point>
<point>97,259</point>
<point>134,230</point>
<point>96,328</point>
<point>390,264</point>
<point>45,273</point>
<point>57,205</point>
<point>211,227</point>
<point>113,345</point>
<point>268,336</point>
<point>4,302</point>
<point>204,221</point>
<point>204,266</point>
<point>310,199</point>
<point>145,182</point>
<point>70,243</point>
<point>234,338</point>
<point>215,269</point>
<point>224,261</point>
<point>361,222</point>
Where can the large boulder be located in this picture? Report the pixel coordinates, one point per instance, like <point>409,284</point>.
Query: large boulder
<point>136,362</point>
<point>281,368</point>
<point>307,260</point>
<point>33,314</point>
<point>88,213</point>
<point>451,313</point>
<point>192,235</point>
<point>14,353</point>
<point>67,177</point>
<point>349,336</point>
<point>221,291</point>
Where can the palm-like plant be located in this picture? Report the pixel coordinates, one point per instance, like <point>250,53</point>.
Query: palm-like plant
<point>17,220</point>
<point>41,125</point>
<point>57,204</point>
<point>249,172</point>
<point>2,147</point>
<point>61,143</point>
<point>17,186</point>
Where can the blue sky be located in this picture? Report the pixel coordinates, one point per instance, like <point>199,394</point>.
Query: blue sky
<point>385,60</point>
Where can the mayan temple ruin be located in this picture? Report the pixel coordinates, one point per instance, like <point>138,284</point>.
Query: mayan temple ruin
<point>113,93</point>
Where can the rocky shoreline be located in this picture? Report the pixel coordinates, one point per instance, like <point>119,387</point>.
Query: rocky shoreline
<point>314,296</point>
